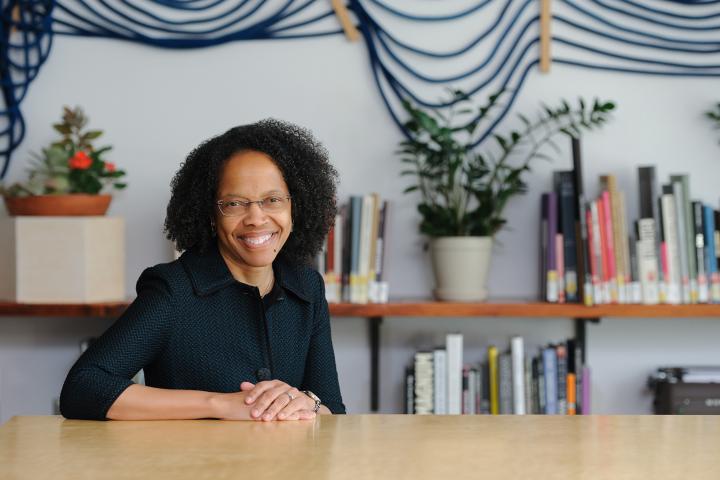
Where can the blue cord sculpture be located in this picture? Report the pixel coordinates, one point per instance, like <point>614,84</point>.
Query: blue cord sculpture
<point>618,36</point>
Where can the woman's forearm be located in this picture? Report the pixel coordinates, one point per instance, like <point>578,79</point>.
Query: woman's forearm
<point>139,402</point>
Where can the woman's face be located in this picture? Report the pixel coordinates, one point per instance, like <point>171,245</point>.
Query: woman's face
<point>254,237</point>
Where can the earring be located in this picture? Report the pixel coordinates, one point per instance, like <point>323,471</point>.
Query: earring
<point>212,227</point>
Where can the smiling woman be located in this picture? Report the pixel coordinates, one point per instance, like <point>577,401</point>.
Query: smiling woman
<point>238,327</point>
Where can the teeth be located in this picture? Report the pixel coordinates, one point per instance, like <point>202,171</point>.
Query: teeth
<point>257,240</point>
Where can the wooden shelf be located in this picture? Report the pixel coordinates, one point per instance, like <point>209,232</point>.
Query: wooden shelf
<point>100,310</point>
<point>411,308</point>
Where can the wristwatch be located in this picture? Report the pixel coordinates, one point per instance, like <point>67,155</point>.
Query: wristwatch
<point>314,398</point>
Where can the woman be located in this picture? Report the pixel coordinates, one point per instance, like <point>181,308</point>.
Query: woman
<point>237,328</point>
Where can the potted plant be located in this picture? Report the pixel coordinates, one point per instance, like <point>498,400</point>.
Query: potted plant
<point>67,178</point>
<point>464,191</point>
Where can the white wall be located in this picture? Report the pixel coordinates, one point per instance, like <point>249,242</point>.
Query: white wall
<point>155,105</point>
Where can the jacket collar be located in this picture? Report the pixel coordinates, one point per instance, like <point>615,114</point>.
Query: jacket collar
<point>208,273</point>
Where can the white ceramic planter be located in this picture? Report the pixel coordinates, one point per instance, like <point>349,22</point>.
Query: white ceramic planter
<point>461,266</point>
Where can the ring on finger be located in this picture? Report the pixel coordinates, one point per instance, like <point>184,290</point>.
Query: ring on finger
<point>290,395</point>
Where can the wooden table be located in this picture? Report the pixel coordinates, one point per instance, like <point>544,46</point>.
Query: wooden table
<point>366,446</point>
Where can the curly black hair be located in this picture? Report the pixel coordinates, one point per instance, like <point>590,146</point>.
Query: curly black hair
<point>305,167</point>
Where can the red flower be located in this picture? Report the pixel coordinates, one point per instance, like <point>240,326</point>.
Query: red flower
<point>80,161</point>
<point>110,167</point>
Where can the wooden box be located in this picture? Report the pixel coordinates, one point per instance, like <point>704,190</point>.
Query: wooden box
<point>62,259</point>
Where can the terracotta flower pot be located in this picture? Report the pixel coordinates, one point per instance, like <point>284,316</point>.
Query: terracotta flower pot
<point>76,204</point>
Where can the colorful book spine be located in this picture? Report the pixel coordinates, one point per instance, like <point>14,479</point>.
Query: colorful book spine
<point>583,258</point>
<point>671,253</point>
<point>493,380</point>
<point>647,261</point>
<point>552,276</point>
<point>607,227</point>
<point>699,244</point>
<point>549,358</point>
<point>568,216</point>
<point>544,239</point>
<point>562,372</point>
<point>560,262</point>
<point>505,382</point>
<point>681,183</point>
<point>682,238</point>
<point>571,387</point>
<point>711,262</point>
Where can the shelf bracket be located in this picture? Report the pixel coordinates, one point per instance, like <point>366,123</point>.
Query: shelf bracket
<point>581,334</point>
<point>374,333</point>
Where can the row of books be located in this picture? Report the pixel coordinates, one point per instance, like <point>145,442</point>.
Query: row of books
<point>552,382</point>
<point>353,256</point>
<point>589,255</point>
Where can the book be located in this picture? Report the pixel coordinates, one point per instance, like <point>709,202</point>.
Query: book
<point>356,205</point>
<point>571,405</point>
<point>528,385</point>
<point>565,188</point>
<point>699,244</point>
<point>454,348</point>
<point>711,262</point>
<point>583,258</point>
<point>681,184</point>
<point>424,380</point>
<point>594,253</point>
<point>517,350</point>
<point>551,265</point>
<point>549,361</point>
<point>648,202</point>
<point>562,371</point>
<point>682,238</point>
<point>586,407</point>
<point>671,250</point>
<point>606,226</point>
<point>618,249</point>
<point>493,379</point>
<point>505,382</point>
<point>560,267</point>
<point>544,241</point>
<point>647,260</point>
<point>440,381</point>
<point>409,390</point>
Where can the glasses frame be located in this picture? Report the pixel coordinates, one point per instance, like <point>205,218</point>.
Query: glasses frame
<point>248,203</point>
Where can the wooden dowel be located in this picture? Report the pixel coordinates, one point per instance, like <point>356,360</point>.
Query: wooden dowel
<point>343,15</point>
<point>545,35</point>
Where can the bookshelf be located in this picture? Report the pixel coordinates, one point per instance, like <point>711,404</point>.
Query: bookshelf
<point>375,313</point>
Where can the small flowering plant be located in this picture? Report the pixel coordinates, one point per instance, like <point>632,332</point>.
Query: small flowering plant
<point>71,164</point>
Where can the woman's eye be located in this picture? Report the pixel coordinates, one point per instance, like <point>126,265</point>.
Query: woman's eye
<point>273,199</point>
<point>233,203</point>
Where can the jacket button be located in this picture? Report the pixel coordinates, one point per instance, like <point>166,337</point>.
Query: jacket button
<point>263,374</point>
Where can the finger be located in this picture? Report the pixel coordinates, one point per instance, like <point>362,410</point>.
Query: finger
<point>299,402</point>
<point>260,388</point>
<point>299,415</point>
<point>264,401</point>
<point>246,386</point>
<point>306,414</point>
<point>283,403</point>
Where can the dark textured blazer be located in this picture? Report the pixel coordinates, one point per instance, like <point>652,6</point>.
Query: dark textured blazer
<point>193,326</point>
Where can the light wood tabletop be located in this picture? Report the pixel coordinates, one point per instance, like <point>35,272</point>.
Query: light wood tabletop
<point>366,446</point>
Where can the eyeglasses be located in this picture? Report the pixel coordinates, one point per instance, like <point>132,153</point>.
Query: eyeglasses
<point>235,208</point>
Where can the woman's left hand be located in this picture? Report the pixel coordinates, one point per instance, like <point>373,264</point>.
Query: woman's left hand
<point>275,399</point>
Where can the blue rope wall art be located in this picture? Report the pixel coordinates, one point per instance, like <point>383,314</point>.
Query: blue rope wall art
<point>672,38</point>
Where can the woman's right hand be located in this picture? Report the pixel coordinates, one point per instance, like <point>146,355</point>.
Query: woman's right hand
<point>231,406</point>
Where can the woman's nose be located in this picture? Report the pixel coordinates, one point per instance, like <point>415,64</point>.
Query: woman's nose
<point>255,215</point>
